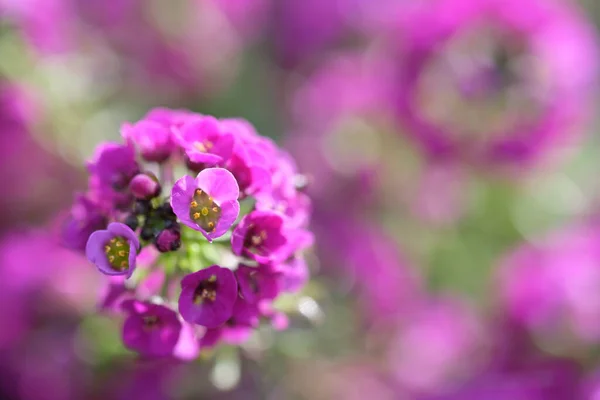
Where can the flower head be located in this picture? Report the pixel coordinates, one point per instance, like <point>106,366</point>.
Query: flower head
<point>237,329</point>
<point>204,142</point>
<point>208,203</point>
<point>207,296</point>
<point>150,329</point>
<point>113,250</point>
<point>114,165</point>
<point>256,283</point>
<point>84,218</point>
<point>154,140</point>
<point>260,236</point>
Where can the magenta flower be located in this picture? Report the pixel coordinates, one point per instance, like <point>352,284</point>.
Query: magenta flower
<point>84,219</point>
<point>237,329</point>
<point>114,165</point>
<point>208,203</point>
<point>208,296</point>
<point>442,338</point>
<point>293,274</point>
<point>144,186</point>
<point>154,140</point>
<point>150,329</point>
<point>555,283</point>
<point>261,236</point>
<point>247,166</point>
<point>204,142</point>
<point>256,283</point>
<point>505,95</point>
<point>113,250</point>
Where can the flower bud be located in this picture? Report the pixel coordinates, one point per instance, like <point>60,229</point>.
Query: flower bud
<point>168,240</point>
<point>144,186</point>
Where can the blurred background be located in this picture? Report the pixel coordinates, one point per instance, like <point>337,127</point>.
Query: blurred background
<point>450,149</point>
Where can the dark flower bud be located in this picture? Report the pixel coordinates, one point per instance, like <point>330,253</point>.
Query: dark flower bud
<point>144,186</point>
<point>141,207</point>
<point>166,212</point>
<point>132,221</point>
<point>147,233</point>
<point>168,240</point>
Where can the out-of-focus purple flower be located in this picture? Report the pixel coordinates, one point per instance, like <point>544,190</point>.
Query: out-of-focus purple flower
<point>293,274</point>
<point>442,338</point>
<point>113,250</point>
<point>154,140</point>
<point>304,29</point>
<point>208,296</point>
<point>488,85</point>
<point>550,380</point>
<point>261,236</point>
<point>247,165</point>
<point>553,286</point>
<point>114,165</point>
<point>208,203</point>
<point>388,288</point>
<point>84,219</point>
<point>256,283</point>
<point>237,329</point>
<point>115,290</point>
<point>170,119</point>
<point>347,85</point>
<point>150,329</point>
<point>204,142</point>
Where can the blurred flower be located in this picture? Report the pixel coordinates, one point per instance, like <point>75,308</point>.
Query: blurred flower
<point>551,287</point>
<point>439,345</point>
<point>497,82</point>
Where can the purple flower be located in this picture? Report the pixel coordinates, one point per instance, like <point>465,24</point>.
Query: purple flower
<point>293,274</point>
<point>154,140</point>
<point>442,338</point>
<point>247,166</point>
<point>256,283</point>
<point>113,250</point>
<point>552,288</point>
<point>207,296</point>
<point>237,329</point>
<point>208,203</point>
<point>505,95</point>
<point>84,219</point>
<point>261,236</point>
<point>114,165</point>
<point>150,329</point>
<point>204,142</point>
<point>168,118</point>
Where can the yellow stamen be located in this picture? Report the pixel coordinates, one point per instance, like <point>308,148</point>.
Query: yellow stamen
<point>204,211</point>
<point>196,215</point>
<point>194,204</point>
<point>122,253</point>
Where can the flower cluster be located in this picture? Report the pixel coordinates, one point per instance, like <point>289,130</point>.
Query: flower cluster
<point>184,273</point>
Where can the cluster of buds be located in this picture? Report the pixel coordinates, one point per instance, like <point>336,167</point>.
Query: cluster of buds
<point>200,259</point>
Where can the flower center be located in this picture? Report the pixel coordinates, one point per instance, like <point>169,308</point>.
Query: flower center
<point>206,290</point>
<point>204,147</point>
<point>204,211</point>
<point>117,252</point>
<point>481,85</point>
<point>150,322</point>
<point>255,240</point>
